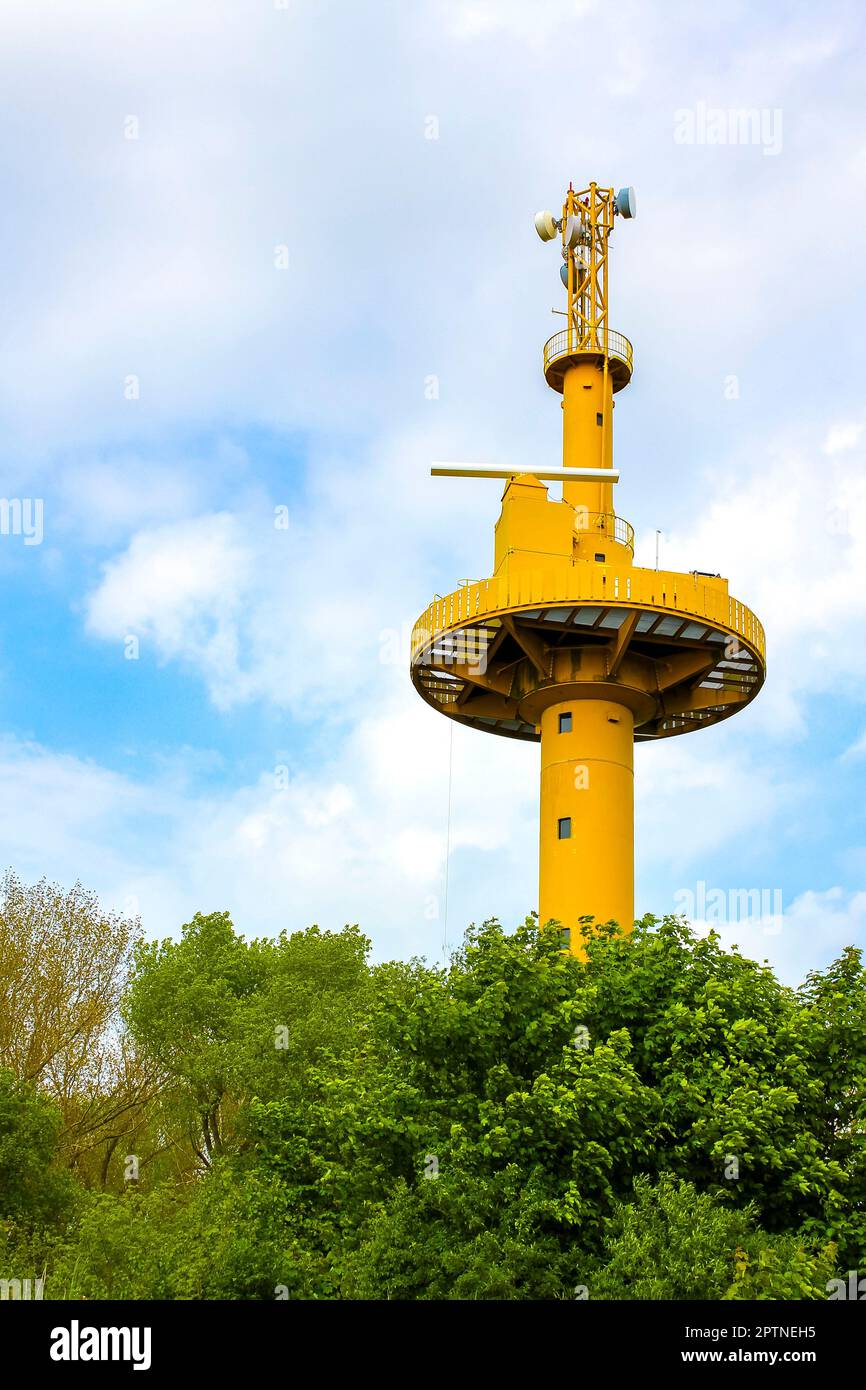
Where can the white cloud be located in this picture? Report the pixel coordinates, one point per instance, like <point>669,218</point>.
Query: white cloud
<point>811,932</point>
<point>165,264</point>
<point>183,586</point>
<point>59,815</point>
<point>356,840</point>
<point>535,25</point>
<point>155,257</point>
<point>361,837</point>
<point>318,612</point>
<point>697,793</point>
<point>857,749</point>
<point>792,542</point>
<point>102,501</point>
<point>842,437</point>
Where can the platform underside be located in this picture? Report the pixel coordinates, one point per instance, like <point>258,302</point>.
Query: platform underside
<point>619,368</point>
<point>677,671</point>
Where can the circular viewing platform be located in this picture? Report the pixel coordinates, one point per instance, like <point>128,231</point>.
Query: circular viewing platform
<point>561,352</point>
<point>678,648</point>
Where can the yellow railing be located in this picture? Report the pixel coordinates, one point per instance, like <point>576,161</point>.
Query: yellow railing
<point>563,343</point>
<point>662,591</point>
<point>615,527</point>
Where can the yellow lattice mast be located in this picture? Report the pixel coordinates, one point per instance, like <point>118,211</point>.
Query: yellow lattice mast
<point>568,642</point>
<point>587,362</point>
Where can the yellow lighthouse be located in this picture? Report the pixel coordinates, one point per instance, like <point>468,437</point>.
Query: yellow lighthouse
<point>568,643</point>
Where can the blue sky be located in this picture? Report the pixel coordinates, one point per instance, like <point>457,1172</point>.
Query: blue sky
<point>231,259</point>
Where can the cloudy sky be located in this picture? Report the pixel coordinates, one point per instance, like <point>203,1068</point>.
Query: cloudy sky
<point>239,239</point>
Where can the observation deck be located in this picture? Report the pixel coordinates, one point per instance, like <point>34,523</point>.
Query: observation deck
<point>676,648</point>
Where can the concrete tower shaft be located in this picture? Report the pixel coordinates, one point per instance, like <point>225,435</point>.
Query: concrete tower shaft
<point>586,854</point>
<point>587,401</point>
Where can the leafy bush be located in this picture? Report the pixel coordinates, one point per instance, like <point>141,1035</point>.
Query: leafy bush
<point>661,1120</point>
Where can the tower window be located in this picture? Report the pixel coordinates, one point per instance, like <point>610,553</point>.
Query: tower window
<point>565,723</point>
<point>564,827</point>
<point>599,418</point>
<point>565,936</point>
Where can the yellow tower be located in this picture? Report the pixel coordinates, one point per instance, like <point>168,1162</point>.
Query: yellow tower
<point>568,642</point>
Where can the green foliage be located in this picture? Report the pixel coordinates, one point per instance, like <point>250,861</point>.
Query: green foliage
<point>226,1239</point>
<point>785,1270</point>
<point>32,1189</point>
<point>207,1010</point>
<point>748,1071</point>
<point>672,1243</point>
<point>661,1120</point>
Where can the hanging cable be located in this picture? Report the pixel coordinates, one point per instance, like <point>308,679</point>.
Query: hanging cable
<point>448,841</point>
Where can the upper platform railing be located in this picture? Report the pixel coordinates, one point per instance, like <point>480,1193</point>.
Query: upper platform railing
<point>616,528</point>
<point>563,346</point>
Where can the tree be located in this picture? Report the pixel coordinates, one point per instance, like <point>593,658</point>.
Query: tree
<point>662,1119</point>
<point>64,967</point>
<point>224,1020</point>
<point>494,1123</point>
<point>763,1087</point>
<point>672,1242</point>
<point>32,1188</point>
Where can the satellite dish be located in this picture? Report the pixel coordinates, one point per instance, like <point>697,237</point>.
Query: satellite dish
<point>579,274</point>
<point>573,231</point>
<point>545,225</point>
<point>626,203</point>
